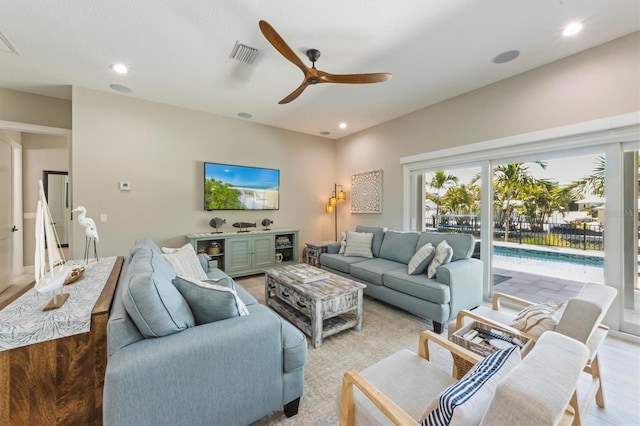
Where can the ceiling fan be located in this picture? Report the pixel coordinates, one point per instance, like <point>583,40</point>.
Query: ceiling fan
<point>313,75</point>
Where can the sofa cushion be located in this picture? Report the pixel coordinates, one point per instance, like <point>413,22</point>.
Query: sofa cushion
<point>399,246</point>
<point>372,270</point>
<point>466,401</point>
<point>417,286</point>
<point>211,300</point>
<point>378,235</point>
<point>443,255</point>
<point>121,330</point>
<point>185,262</point>
<point>150,298</point>
<point>538,318</point>
<point>138,244</point>
<point>421,259</point>
<point>462,244</point>
<point>339,262</point>
<point>358,244</point>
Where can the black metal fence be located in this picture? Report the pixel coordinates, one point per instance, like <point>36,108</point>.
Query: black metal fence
<point>582,236</point>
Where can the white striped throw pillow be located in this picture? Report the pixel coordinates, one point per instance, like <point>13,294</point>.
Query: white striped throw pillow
<point>359,244</point>
<point>466,401</point>
<point>538,318</point>
<point>184,262</point>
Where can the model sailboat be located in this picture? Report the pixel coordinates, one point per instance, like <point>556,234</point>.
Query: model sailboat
<point>50,265</point>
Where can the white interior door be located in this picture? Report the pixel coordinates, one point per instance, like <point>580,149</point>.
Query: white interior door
<point>6,215</point>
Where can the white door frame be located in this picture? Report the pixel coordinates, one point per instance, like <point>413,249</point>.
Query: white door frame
<point>18,212</point>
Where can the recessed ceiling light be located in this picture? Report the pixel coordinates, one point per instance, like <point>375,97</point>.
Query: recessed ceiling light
<point>572,28</point>
<point>244,115</point>
<point>507,56</point>
<point>325,133</point>
<point>343,125</point>
<point>119,68</point>
<point>120,88</point>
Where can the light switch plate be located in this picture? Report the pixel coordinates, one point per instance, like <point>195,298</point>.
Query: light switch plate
<point>125,186</point>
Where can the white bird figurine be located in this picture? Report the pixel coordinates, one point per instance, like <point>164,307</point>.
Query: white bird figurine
<point>90,232</point>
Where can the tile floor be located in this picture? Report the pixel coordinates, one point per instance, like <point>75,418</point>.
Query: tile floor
<point>536,288</point>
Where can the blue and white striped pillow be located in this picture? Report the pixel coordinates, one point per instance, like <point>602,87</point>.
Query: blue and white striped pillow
<point>466,401</point>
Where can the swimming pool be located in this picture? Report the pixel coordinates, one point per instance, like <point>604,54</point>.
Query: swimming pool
<point>565,265</point>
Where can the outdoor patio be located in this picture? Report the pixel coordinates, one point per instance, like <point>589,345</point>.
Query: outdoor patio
<point>535,288</point>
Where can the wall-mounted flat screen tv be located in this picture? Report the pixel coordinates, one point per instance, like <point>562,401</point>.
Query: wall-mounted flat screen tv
<point>228,187</point>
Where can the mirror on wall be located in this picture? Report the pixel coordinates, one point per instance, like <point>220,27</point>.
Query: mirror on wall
<point>56,188</point>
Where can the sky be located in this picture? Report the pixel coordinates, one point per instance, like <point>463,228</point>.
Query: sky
<point>243,177</point>
<point>563,170</point>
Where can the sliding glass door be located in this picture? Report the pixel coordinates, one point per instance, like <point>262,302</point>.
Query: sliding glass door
<point>554,212</point>
<point>630,288</point>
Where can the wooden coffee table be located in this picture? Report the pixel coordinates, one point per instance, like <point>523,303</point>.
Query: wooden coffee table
<point>319,308</point>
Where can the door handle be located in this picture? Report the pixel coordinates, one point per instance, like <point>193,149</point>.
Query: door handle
<point>14,229</point>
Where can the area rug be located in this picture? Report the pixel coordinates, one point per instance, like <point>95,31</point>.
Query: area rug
<point>385,331</point>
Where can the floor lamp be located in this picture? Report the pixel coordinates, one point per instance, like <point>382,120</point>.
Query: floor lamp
<point>332,206</point>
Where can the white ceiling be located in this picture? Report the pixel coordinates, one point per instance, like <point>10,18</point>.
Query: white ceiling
<point>178,51</point>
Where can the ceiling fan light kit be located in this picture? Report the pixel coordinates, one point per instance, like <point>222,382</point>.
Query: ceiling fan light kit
<point>313,75</point>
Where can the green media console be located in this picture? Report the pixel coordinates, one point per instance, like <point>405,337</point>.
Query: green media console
<point>247,253</point>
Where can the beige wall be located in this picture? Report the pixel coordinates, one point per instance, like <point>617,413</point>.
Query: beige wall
<point>23,107</point>
<point>160,150</point>
<point>600,82</point>
<point>39,153</point>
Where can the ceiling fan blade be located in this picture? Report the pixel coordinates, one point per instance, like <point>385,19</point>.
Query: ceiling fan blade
<point>326,77</point>
<point>295,93</point>
<point>278,42</point>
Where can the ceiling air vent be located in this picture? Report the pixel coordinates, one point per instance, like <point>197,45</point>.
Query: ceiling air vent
<point>243,53</point>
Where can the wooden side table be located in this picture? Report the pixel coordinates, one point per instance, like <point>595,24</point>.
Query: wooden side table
<point>314,250</point>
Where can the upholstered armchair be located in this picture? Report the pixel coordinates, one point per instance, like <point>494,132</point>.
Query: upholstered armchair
<point>580,319</point>
<point>406,388</point>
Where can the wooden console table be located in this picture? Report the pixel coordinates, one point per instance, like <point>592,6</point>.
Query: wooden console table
<point>59,381</point>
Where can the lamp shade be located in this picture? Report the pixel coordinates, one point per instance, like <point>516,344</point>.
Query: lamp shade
<point>329,208</point>
<point>342,196</point>
<point>333,201</point>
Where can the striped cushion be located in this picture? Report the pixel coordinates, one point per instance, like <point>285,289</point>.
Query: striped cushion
<point>420,260</point>
<point>538,318</point>
<point>184,262</point>
<point>466,401</point>
<point>444,254</point>
<point>359,244</point>
<point>343,242</point>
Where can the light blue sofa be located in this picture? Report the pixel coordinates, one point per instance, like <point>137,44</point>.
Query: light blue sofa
<point>229,372</point>
<point>457,285</point>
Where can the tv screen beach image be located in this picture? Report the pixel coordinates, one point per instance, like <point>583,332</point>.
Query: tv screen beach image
<point>228,187</point>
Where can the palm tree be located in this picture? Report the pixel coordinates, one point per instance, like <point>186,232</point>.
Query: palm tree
<point>510,181</point>
<point>440,181</point>
<point>462,199</point>
<point>540,200</point>
<point>591,184</point>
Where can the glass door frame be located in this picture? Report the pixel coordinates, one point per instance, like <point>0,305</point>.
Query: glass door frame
<point>607,135</point>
